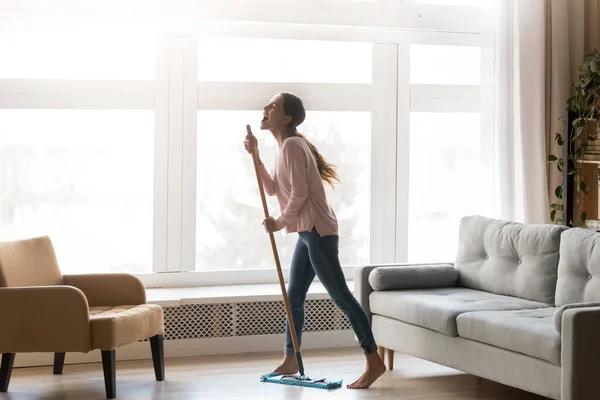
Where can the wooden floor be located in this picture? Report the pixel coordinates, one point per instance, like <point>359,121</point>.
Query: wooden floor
<point>236,377</point>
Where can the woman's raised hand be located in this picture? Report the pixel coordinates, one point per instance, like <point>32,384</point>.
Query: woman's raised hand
<point>250,143</point>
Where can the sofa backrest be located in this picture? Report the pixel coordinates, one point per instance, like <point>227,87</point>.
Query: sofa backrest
<point>509,258</point>
<point>29,262</point>
<point>579,267</point>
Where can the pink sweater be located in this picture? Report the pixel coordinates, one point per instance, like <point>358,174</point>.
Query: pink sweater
<point>299,189</point>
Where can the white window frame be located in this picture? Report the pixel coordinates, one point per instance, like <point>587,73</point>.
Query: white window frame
<point>343,13</point>
<point>175,98</point>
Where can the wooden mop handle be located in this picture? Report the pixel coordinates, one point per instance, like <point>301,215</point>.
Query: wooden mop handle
<point>286,302</point>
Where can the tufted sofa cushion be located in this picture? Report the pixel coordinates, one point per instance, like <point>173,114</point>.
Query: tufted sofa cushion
<point>579,267</point>
<point>509,258</point>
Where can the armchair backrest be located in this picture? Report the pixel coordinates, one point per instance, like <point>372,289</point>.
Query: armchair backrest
<point>29,262</point>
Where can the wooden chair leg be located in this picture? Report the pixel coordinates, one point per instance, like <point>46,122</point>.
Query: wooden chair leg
<point>381,351</point>
<point>109,364</point>
<point>59,363</point>
<point>8,359</point>
<point>158,356</point>
<point>390,355</point>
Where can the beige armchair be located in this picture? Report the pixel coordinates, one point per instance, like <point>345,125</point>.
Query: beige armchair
<point>42,310</point>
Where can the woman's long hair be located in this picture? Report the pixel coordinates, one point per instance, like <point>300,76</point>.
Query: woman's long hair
<point>294,108</point>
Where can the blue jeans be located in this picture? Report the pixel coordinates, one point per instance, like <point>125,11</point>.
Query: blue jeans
<point>316,255</point>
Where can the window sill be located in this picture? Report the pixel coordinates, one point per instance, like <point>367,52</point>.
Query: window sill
<point>172,297</point>
<point>244,277</point>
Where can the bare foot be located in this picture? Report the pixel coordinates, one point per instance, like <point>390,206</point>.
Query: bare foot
<point>289,366</point>
<point>375,368</point>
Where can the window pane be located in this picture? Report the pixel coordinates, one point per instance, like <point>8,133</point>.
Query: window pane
<point>229,210</point>
<point>282,60</point>
<point>446,182</point>
<point>83,177</point>
<point>76,55</point>
<point>449,65</point>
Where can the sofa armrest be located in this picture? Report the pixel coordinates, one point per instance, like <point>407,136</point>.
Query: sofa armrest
<point>413,277</point>
<point>580,353</point>
<point>363,287</point>
<point>558,314</point>
<point>44,319</point>
<point>109,289</point>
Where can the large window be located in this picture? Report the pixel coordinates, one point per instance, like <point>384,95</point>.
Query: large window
<point>77,141</point>
<point>123,140</point>
<point>84,178</point>
<point>242,72</point>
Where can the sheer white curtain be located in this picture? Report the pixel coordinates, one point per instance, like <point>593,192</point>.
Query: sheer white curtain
<point>513,108</point>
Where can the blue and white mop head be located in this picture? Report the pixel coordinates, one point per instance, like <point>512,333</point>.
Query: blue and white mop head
<point>297,380</point>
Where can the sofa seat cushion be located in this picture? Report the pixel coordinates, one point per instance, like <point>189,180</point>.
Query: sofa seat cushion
<point>437,309</point>
<point>112,327</point>
<point>529,332</point>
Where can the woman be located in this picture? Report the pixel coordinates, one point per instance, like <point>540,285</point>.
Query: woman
<point>298,182</point>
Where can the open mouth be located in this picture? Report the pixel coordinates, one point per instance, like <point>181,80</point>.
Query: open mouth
<point>265,119</point>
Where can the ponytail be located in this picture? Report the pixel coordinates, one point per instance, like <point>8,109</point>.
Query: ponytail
<point>327,170</point>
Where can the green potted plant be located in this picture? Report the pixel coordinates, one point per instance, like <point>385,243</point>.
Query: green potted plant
<point>584,136</point>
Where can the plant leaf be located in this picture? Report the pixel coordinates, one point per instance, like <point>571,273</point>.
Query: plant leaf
<point>558,192</point>
<point>552,215</point>
<point>552,158</point>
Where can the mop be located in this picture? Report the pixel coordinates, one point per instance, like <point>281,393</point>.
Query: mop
<point>300,379</point>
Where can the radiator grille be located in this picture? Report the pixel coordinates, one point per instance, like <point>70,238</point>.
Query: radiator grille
<point>194,321</point>
<point>260,318</point>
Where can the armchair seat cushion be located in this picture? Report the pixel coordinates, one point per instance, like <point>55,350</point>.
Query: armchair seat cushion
<point>112,327</point>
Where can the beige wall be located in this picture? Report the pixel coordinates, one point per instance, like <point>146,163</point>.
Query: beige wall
<point>572,30</point>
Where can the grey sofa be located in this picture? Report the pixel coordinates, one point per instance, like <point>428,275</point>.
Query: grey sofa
<point>520,305</point>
